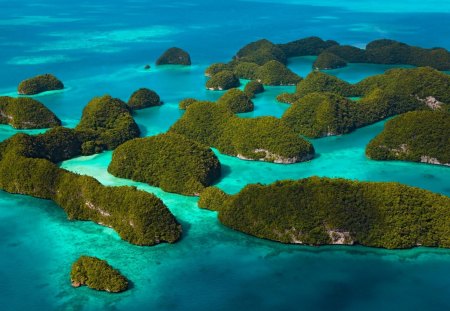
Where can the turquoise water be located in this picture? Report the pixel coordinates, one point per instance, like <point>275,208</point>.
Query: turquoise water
<point>212,267</point>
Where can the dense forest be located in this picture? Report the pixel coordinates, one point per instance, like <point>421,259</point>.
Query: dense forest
<point>419,136</point>
<point>169,161</point>
<point>97,274</point>
<point>318,211</point>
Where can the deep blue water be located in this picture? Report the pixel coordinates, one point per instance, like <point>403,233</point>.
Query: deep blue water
<point>99,47</point>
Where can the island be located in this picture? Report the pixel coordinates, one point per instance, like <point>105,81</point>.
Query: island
<point>39,84</point>
<point>322,211</point>
<point>143,98</point>
<point>28,166</point>
<point>237,100</point>
<point>262,138</point>
<point>261,52</point>
<point>106,123</point>
<point>26,113</point>
<point>389,52</point>
<point>417,136</point>
<point>97,274</point>
<point>321,107</point>
<point>174,56</point>
<point>266,62</point>
<point>245,70</point>
<point>169,161</point>
<point>253,87</point>
<point>223,80</point>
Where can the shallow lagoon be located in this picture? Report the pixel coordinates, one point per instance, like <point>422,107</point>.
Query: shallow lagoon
<point>212,267</point>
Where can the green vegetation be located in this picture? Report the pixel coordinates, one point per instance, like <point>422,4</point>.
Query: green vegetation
<point>97,274</point>
<point>266,62</point>
<point>328,60</point>
<point>322,114</point>
<point>182,105</point>
<point>271,73</point>
<point>261,52</point>
<point>275,73</point>
<point>216,68</point>
<point>138,217</point>
<point>174,56</point>
<point>143,98</point>
<point>237,101</point>
<point>169,161</point>
<point>316,112</point>
<point>56,145</point>
<point>318,211</point>
<point>105,124</point>
<point>264,138</point>
<point>27,166</point>
<point>246,70</point>
<point>253,87</point>
<point>212,198</point>
<point>419,136</point>
<point>287,98</point>
<point>349,53</point>
<point>306,47</point>
<point>223,80</point>
<point>26,113</point>
<point>320,82</point>
<point>39,84</point>
<point>392,52</point>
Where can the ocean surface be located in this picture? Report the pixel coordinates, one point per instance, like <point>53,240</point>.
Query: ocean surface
<point>100,47</point>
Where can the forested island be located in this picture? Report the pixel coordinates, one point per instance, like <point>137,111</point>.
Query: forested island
<point>321,107</point>
<point>266,62</point>
<point>169,161</point>
<point>321,211</point>
<point>313,211</point>
<point>237,101</point>
<point>223,80</point>
<point>97,274</point>
<point>26,113</point>
<point>105,124</point>
<point>39,84</point>
<point>28,166</point>
<point>418,136</point>
<point>174,56</point>
<point>143,98</point>
<point>263,138</point>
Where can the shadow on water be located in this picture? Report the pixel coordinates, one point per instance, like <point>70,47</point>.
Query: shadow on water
<point>225,172</point>
<point>143,130</point>
<point>185,227</point>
